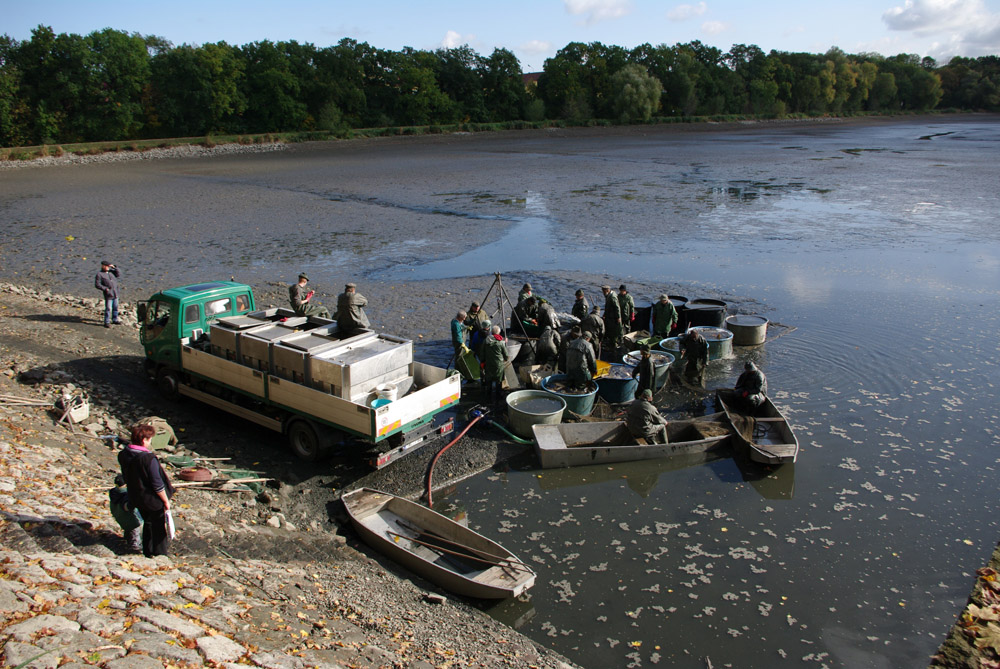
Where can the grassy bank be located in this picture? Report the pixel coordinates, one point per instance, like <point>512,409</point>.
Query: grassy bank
<point>139,145</point>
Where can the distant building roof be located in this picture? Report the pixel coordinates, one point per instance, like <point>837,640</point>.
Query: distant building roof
<point>530,78</point>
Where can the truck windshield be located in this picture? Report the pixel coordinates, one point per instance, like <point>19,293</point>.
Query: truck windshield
<point>157,316</point>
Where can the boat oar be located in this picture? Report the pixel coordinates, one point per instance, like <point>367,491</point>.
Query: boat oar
<point>480,551</point>
<point>465,556</point>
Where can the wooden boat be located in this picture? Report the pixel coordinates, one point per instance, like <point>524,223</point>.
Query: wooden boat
<point>439,549</point>
<point>575,444</point>
<point>765,437</point>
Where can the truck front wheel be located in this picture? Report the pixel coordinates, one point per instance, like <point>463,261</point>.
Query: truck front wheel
<point>168,383</point>
<point>305,442</point>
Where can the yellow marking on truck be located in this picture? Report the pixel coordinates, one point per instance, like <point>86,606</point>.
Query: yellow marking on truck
<point>388,428</point>
<point>449,400</point>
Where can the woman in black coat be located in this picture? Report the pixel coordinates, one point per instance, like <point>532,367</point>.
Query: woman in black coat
<point>149,489</point>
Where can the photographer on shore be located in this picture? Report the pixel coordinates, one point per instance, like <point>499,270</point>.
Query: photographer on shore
<point>106,281</point>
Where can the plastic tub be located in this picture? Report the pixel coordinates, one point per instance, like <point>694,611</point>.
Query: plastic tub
<point>533,407</point>
<point>581,405</point>
<point>747,330</point>
<point>618,386</point>
<point>706,312</point>
<point>720,342</point>
<point>380,402</point>
<point>661,364</point>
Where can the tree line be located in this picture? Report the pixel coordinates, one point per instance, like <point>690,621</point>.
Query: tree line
<point>113,85</point>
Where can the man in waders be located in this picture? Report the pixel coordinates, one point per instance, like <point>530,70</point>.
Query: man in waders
<point>644,420</point>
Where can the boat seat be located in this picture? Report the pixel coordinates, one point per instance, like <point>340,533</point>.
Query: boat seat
<point>770,420</point>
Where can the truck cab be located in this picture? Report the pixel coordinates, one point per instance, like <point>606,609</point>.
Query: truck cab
<point>176,316</point>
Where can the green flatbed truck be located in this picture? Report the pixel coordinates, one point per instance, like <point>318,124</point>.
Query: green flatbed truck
<point>300,376</point>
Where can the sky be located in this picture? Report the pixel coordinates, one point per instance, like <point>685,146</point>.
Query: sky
<point>534,30</point>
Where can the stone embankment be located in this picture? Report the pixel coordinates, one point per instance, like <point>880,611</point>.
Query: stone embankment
<point>182,151</point>
<point>72,595</point>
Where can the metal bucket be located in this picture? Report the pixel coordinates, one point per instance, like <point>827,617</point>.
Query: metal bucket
<point>533,407</point>
<point>661,365</point>
<point>581,405</point>
<point>615,390</point>
<point>747,330</point>
<point>706,312</point>
<point>720,341</point>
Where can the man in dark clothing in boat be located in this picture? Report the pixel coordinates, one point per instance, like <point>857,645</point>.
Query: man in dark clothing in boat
<point>645,371</point>
<point>694,349</point>
<point>644,420</point>
<point>751,388</point>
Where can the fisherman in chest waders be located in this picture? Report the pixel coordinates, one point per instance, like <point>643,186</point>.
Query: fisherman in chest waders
<point>645,371</point>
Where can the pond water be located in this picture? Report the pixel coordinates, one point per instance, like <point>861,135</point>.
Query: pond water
<point>876,245</point>
<point>860,554</point>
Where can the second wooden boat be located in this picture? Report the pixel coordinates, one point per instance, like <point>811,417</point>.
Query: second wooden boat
<point>444,552</point>
<point>586,443</point>
<point>766,436</point>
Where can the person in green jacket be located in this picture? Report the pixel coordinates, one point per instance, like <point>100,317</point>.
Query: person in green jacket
<point>664,317</point>
<point>627,306</point>
<point>580,362</point>
<point>644,420</point>
<point>301,299</point>
<point>694,349</point>
<point>645,371</point>
<point>495,359</point>
<point>351,315</point>
<point>612,317</point>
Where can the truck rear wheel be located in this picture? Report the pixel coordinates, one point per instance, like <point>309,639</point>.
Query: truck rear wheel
<point>306,443</point>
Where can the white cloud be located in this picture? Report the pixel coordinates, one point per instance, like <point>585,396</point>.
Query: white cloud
<point>714,27</point>
<point>453,40</point>
<point>536,47</point>
<point>965,27</point>
<point>685,12</point>
<point>598,10</point>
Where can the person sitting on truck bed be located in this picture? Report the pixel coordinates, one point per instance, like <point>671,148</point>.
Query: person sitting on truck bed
<point>350,310</point>
<point>300,298</point>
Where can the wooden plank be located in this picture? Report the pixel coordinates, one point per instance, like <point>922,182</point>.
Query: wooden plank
<point>317,403</point>
<point>222,371</point>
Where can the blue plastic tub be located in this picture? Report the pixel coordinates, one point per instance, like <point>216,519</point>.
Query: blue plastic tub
<point>617,391</point>
<point>581,405</point>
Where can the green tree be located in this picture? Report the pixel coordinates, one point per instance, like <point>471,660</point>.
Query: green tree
<point>271,89</point>
<point>503,88</point>
<point>638,93</point>
<point>197,90</point>
<point>118,69</point>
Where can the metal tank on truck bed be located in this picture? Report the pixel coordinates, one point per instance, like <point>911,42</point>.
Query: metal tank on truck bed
<point>293,374</point>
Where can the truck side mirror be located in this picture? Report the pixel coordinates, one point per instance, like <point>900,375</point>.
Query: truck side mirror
<point>140,312</point>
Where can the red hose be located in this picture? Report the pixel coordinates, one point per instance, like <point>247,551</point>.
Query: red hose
<point>430,472</point>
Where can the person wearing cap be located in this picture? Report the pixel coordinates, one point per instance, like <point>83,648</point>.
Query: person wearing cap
<point>524,293</point>
<point>301,299</point>
<point>547,349</point>
<point>581,307</point>
<point>495,357</point>
<point>751,388</point>
<point>612,317</point>
<point>475,316</point>
<point>645,371</point>
<point>581,365</point>
<point>694,349</point>
<point>664,317</point>
<point>106,281</point>
<point>479,336</point>
<point>594,324</point>
<point>644,421</point>
<point>351,315</point>
<point>627,307</point>
<point>546,314</point>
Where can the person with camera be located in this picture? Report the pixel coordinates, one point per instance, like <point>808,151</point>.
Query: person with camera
<point>106,281</point>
